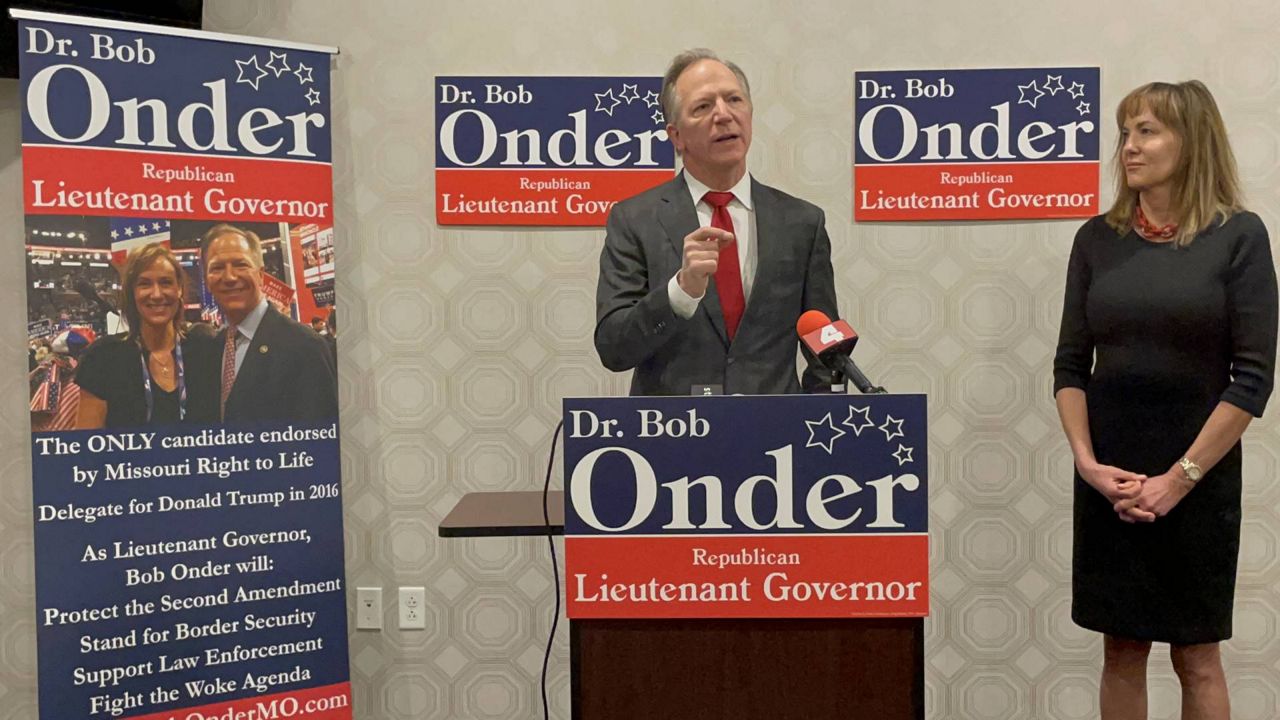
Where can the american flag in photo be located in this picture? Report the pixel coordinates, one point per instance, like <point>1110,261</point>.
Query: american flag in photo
<point>130,233</point>
<point>56,399</point>
<point>44,398</point>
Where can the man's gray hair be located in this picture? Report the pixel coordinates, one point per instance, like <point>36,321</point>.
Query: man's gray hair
<point>681,63</point>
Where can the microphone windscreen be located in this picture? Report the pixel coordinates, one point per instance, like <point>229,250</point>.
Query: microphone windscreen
<point>811,320</point>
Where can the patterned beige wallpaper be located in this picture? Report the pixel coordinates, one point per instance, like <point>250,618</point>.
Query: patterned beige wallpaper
<point>458,344</point>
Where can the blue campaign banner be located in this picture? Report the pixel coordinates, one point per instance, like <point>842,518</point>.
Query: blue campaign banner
<point>175,567</point>
<point>894,111</point>
<point>666,496</point>
<point>132,123</point>
<point>129,89</point>
<point>530,150</point>
<point>185,569</point>
<point>1006,143</point>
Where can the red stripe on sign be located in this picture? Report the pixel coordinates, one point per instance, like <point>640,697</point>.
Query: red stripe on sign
<point>717,576</point>
<point>91,181</point>
<point>327,702</point>
<point>537,197</point>
<point>996,191</point>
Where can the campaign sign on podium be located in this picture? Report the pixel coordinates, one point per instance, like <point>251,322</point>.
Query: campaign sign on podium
<point>793,506</point>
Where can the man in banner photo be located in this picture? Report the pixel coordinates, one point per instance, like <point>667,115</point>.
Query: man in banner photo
<point>702,278</point>
<point>273,368</point>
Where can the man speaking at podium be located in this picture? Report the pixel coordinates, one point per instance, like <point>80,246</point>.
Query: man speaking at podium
<point>702,278</point>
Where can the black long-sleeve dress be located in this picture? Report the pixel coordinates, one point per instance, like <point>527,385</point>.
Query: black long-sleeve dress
<point>112,369</point>
<point>1157,336</point>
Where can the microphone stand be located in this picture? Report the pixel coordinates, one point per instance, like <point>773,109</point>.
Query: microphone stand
<point>839,386</point>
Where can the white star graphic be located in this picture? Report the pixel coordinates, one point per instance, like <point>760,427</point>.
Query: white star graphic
<point>258,73</point>
<point>128,231</point>
<point>601,97</point>
<point>1022,94</point>
<point>629,93</point>
<point>156,226</point>
<point>897,428</point>
<point>313,96</point>
<point>657,117</point>
<point>1076,90</point>
<point>114,235</point>
<point>301,71</point>
<point>863,418</point>
<point>142,229</point>
<point>271,65</point>
<point>1052,84</point>
<point>903,455</point>
<point>1083,108</point>
<point>651,99</point>
<point>829,443</point>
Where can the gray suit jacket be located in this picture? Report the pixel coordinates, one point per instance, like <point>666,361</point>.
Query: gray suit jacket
<point>636,327</point>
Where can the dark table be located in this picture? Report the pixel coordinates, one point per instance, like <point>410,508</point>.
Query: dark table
<point>504,514</point>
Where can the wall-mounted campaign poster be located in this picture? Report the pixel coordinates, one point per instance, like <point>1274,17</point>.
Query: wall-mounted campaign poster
<point>549,151</point>
<point>187,499</point>
<point>1002,144</point>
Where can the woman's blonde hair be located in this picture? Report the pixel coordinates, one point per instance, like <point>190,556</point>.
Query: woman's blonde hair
<point>1206,185</point>
<point>138,262</point>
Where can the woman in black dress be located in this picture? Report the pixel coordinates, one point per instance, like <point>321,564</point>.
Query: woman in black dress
<point>1166,353</point>
<point>159,371</point>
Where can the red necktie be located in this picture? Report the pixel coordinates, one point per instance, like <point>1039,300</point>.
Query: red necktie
<point>728,271</point>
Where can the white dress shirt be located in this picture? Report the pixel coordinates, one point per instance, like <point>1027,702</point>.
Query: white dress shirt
<point>744,233</point>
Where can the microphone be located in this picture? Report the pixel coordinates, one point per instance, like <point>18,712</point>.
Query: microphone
<point>90,293</point>
<point>832,342</point>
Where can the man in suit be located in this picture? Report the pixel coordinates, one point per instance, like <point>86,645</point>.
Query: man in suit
<point>272,367</point>
<point>703,278</point>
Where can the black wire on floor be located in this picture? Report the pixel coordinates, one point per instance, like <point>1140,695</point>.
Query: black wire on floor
<point>555,569</point>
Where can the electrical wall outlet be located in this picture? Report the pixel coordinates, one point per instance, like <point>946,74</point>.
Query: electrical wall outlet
<point>412,613</point>
<point>369,608</point>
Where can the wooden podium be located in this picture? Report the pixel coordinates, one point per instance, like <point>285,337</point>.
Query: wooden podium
<point>741,669</point>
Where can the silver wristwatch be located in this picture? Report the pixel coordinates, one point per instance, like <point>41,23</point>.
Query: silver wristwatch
<point>1191,470</point>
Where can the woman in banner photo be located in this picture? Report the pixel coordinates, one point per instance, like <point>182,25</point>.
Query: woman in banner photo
<point>162,370</point>
<point>1166,352</point>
